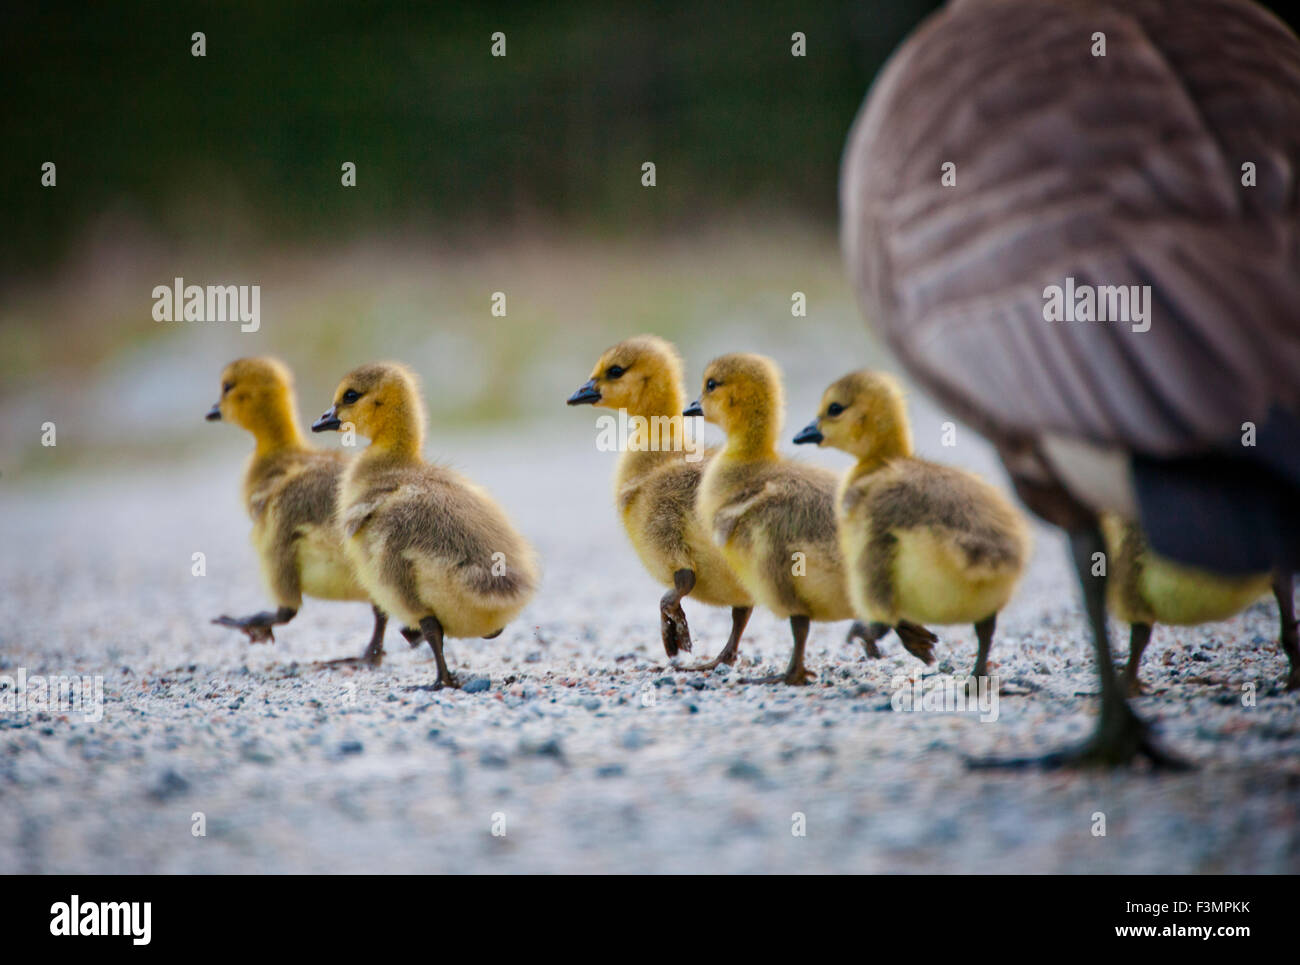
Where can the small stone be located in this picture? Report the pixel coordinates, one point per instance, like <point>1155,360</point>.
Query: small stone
<point>477,685</point>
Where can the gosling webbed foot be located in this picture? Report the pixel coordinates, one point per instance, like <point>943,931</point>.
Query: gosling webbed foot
<point>868,634</point>
<point>676,632</point>
<point>917,640</point>
<point>795,677</point>
<point>1133,686</point>
<point>672,618</point>
<point>447,680</point>
<point>731,652</point>
<point>413,635</point>
<point>258,627</point>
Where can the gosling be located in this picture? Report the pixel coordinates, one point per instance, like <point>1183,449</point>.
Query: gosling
<point>428,545</point>
<point>773,519</point>
<point>924,543</point>
<point>290,491</point>
<point>655,486</point>
<point>1145,589</point>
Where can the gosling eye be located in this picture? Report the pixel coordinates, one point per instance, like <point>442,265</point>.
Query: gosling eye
<point>351,396</point>
<point>614,372</point>
<point>834,409</point>
<point>710,385</point>
<point>226,387</point>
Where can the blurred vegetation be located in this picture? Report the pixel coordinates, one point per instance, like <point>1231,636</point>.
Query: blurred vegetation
<point>246,143</point>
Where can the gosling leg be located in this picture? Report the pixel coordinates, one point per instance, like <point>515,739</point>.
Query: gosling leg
<point>1290,638</point>
<point>729,654</point>
<point>433,633</point>
<point>868,634</point>
<point>258,626</point>
<point>1120,735</point>
<point>796,674</point>
<point>984,634</point>
<point>373,656</point>
<point>1139,635</point>
<point>672,618</point>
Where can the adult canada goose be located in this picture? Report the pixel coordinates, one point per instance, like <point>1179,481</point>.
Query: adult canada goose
<point>1140,157</point>
<point>923,543</point>
<point>655,486</point>
<point>429,545</point>
<point>774,519</point>
<point>290,490</point>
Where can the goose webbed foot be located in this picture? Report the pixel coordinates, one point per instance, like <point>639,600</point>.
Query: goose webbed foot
<point>673,627</point>
<point>259,626</point>
<point>1121,738</point>
<point>868,634</point>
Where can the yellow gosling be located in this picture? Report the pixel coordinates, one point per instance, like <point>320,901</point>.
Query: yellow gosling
<point>655,485</point>
<point>429,546</point>
<point>1144,589</point>
<point>924,543</point>
<point>290,490</point>
<point>773,519</point>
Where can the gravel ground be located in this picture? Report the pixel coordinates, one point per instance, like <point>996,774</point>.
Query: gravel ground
<point>584,747</point>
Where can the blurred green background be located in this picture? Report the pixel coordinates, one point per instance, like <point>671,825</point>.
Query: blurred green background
<point>475,174</point>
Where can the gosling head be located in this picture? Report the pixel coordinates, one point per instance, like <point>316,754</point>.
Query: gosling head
<point>642,375</point>
<point>257,395</point>
<point>381,401</point>
<point>742,395</point>
<point>863,414</point>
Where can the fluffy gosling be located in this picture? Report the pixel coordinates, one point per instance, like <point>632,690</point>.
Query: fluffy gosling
<point>290,490</point>
<point>1144,589</point>
<point>773,519</point>
<point>427,544</point>
<point>655,485</point>
<point>924,543</point>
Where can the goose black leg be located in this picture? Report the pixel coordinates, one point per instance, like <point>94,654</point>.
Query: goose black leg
<point>796,674</point>
<point>739,618</point>
<point>433,633</point>
<point>672,618</point>
<point>868,634</point>
<point>1290,638</point>
<point>1139,635</point>
<point>1121,736</point>
<point>258,626</point>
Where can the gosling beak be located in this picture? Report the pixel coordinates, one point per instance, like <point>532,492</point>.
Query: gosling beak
<point>809,433</point>
<point>587,394</point>
<point>214,414</point>
<point>329,420</point>
<point>694,409</point>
